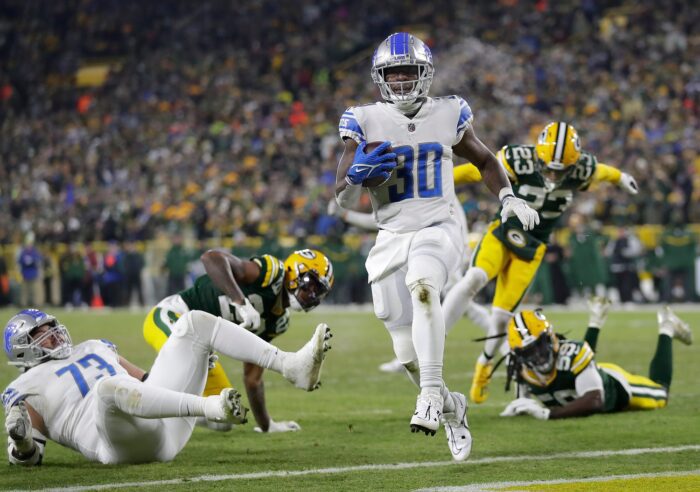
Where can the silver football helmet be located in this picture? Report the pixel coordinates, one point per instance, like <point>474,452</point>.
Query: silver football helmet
<point>403,49</point>
<point>25,350</point>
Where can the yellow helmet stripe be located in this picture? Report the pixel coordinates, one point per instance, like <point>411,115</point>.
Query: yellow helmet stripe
<point>562,129</point>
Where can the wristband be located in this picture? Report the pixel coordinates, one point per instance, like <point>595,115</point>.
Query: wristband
<point>505,192</point>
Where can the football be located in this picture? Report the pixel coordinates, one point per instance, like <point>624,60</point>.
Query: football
<point>371,182</point>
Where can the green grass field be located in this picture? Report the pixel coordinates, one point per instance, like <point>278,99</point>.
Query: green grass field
<point>356,425</point>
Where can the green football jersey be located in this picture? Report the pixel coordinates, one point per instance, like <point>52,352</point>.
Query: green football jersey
<point>265,294</point>
<point>528,183</point>
<point>559,388</point>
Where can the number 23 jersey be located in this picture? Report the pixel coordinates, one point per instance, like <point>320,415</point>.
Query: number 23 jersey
<point>420,191</point>
<point>60,391</point>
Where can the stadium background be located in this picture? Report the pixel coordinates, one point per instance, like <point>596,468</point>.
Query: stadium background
<point>134,135</point>
<point>128,124</point>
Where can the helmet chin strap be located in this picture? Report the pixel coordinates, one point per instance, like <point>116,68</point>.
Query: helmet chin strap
<point>409,108</point>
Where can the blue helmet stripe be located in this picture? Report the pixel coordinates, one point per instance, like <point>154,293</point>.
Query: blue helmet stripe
<point>399,43</point>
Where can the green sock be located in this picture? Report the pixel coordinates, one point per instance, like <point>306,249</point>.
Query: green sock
<point>592,336</point>
<point>661,367</point>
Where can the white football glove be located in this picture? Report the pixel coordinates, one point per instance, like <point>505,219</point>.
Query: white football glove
<point>250,317</point>
<point>628,184</point>
<point>18,426</point>
<point>598,311</point>
<point>285,426</point>
<point>513,205</point>
<point>522,406</point>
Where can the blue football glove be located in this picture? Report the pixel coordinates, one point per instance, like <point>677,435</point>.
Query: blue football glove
<point>372,165</point>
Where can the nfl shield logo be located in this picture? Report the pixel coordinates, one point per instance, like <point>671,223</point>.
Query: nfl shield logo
<point>411,127</point>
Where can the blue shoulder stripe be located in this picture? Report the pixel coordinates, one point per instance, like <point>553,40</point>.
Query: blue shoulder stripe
<point>465,115</point>
<point>350,124</point>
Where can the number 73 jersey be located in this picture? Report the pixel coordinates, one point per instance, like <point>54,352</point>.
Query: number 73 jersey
<point>60,390</point>
<point>420,191</point>
<point>521,165</point>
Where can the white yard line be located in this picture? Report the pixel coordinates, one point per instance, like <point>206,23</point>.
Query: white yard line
<point>486,487</point>
<point>391,467</point>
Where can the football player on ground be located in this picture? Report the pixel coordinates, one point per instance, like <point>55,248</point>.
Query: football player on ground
<point>90,399</point>
<point>478,314</point>
<point>546,176</point>
<point>409,178</point>
<point>256,294</point>
<point>564,376</point>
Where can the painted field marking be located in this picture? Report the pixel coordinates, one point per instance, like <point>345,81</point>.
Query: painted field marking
<point>486,487</point>
<point>384,467</point>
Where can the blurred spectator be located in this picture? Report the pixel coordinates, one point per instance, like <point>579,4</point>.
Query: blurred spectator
<point>29,260</point>
<point>623,252</point>
<point>176,261</point>
<point>133,266</point>
<point>73,276</point>
<point>677,252</point>
<point>586,265</point>
<point>4,283</point>
<point>93,274</point>
<point>112,280</point>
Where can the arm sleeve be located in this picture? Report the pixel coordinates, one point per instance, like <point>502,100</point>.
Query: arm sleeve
<point>588,380</point>
<point>359,219</point>
<point>603,172</point>
<point>466,173</point>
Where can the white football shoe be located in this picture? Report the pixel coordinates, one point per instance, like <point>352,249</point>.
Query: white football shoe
<point>392,366</point>
<point>303,367</point>
<point>225,408</point>
<point>426,417</point>
<point>680,329</point>
<point>598,308</point>
<point>459,439</point>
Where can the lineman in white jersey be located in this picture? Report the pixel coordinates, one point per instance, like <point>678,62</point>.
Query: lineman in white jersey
<point>90,399</point>
<point>409,177</point>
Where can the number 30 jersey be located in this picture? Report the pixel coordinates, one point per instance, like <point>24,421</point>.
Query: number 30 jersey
<point>60,391</point>
<point>420,191</point>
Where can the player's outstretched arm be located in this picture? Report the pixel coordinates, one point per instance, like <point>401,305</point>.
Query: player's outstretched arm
<point>228,272</point>
<point>493,174</point>
<point>473,149</point>
<point>587,404</point>
<point>133,370</point>
<point>25,435</point>
<point>604,172</point>
<point>255,388</point>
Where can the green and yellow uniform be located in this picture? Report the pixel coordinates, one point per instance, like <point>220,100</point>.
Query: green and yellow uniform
<point>265,294</point>
<point>509,252</point>
<point>622,390</point>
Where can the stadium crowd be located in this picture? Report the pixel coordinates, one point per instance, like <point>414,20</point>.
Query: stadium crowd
<point>220,121</point>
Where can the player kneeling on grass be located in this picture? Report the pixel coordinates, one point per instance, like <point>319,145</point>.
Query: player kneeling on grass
<point>257,295</point>
<point>563,375</point>
<point>92,400</point>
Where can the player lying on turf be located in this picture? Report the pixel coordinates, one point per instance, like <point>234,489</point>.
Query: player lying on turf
<point>90,399</point>
<point>255,294</point>
<point>564,376</point>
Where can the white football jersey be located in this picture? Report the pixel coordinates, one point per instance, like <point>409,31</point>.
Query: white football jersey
<point>420,191</point>
<point>59,390</point>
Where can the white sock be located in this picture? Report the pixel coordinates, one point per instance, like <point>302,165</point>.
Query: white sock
<point>479,315</point>
<point>151,402</point>
<point>428,332</point>
<point>499,323</point>
<point>461,295</point>
<point>447,399</point>
<point>240,344</point>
